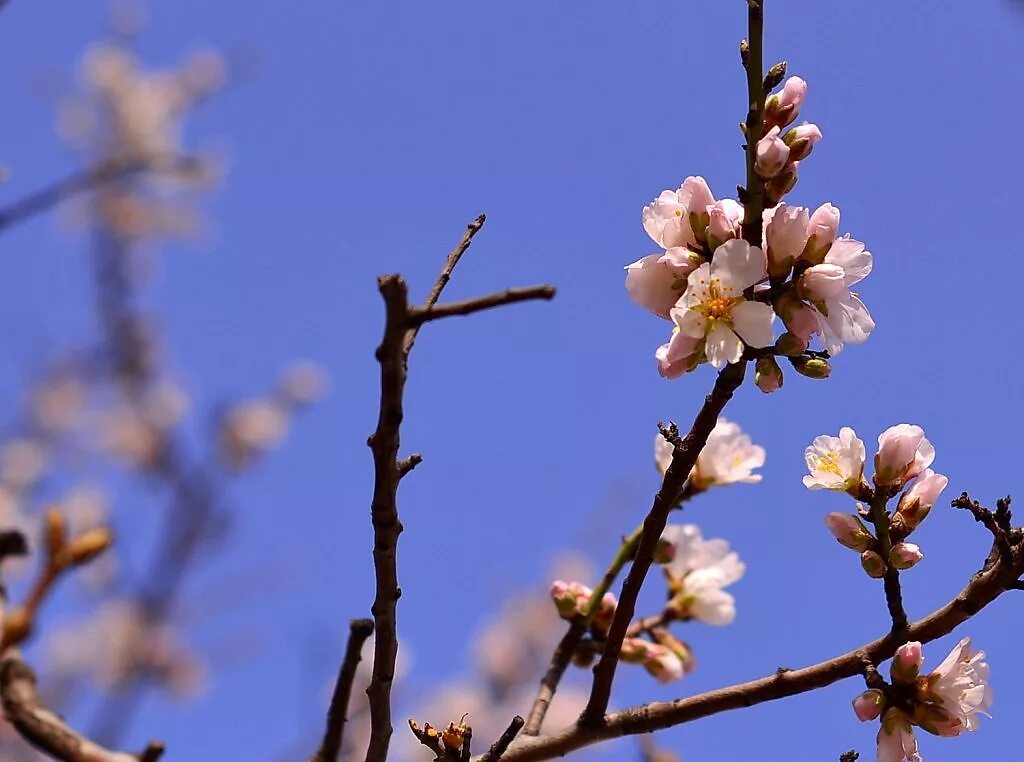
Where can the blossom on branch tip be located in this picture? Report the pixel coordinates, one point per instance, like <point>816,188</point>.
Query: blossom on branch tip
<point>822,229</point>
<point>869,705</point>
<point>728,457</point>
<point>906,664</point>
<point>662,663</point>
<point>679,217</point>
<point>781,109</point>
<point>903,453</point>
<point>960,686</point>
<point>801,140</point>
<point>714,309</point>
<point>835,463</point>
<point>725,219</point>
<point>785,234</point>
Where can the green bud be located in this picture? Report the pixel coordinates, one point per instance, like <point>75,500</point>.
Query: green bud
<point>812,367</point>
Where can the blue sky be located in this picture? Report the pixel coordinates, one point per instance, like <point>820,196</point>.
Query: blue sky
<point>370,134</point>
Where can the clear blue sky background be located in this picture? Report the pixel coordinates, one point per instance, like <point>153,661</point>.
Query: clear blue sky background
<point>372,134</point>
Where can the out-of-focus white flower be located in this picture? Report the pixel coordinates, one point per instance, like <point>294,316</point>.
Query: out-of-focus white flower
<point>303,383</point>
<point>250,429</point>
<point>729,456</point>
<point>22,463</point>
<point>697,573</point>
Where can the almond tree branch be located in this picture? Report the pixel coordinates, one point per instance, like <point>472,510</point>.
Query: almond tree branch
<point>684,458</point>
<point>401,323</point>
<point>43,729</point>
<point>330,747</point>
<point>499,747</point>
<point>418,316</point>
<point>1002,572</point>
<point>893,591</point>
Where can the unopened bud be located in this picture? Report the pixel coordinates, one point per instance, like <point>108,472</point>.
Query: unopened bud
<point>454,735</point>
<point>790,344</point>
<point>634,650</point>
<point>56,532</point>
<point>801,141</point>
<point>768,376</point>
<point>849,531</point>
<point>782,108</point>
<point>873,564</point>
<point>89,544</point>
<point>664,551</point>
<point>782,183</point>
<point>676,646</point>
<point>812,367</point>
<point>775,76</point>
<point>906,664</point>
<point>869,705</point>
<point>564,596</point>
<point>771,154</point>
<point>905,555</point>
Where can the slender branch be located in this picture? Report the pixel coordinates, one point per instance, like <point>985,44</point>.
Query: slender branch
<point>499,747</point>
<point>754,64</point>
<point>893,591</point>
<point>418,316</point>
<point>446,273</point>
<point>43,729</point>
<point>684,458</point>
<point>330,747</point>
<point>987,585</point>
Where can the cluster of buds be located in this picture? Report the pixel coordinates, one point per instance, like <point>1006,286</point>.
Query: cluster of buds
<point>666,658</point>
<point>572,599</point>
<point>946,702</point>
<point>722,294</point>
<point>902,463</point>
<point>448,745</point>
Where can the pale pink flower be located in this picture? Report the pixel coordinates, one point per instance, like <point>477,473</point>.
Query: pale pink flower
<point>801,322</point>
<point>849,530</point>
<point>843,318</point>
<point>714,308</point>
<point>725,219</point>
<point>896,741</point>
<point>697,574</point>
<point>869,705</point>
<point>679,355</point>
<point>657,281</point>
<point>822,229</point>
<point>672,218</point>
<point>801,140</point>
<point>960,686</point>
<point>785,234</point>
<point>730,456</point>
<point>772,154</point>
<point>835,463</point>
<point>573,599</point>
<point>906,664</point>
<point>904,555</point>
<point>663,663</point>
<point>917,501</point>
<point>768,375</point>
<point>903,453</point>
<point>782,108</point>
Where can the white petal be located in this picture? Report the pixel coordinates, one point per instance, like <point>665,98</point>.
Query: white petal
<point>723,346</point>
<point>652,285</point>
<point>753,322</point>
<point>739,264</point>
<point>850,255</point>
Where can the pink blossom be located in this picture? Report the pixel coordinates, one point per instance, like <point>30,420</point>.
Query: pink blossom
<point>801,321</point>
<point>801,140</point>
<point>904,555</point>
<point>822,229</point>
<point>657,281</point>
<point>835,463</point>
<point>906,664</point>
<point>896,741</point>
<point>725,220</point>
<point>772,154</point>
<point>663,663</point>
<point>782,108</point>
<point>785,234</point>
<point>869,705</point>
<point>679,355</point>
<point>849,531</point>
<point>903,453</point>
<point>679,217</point>
<point>843,318</point>
<point>917,501</point>
<point>715,310</point>
<point>960,685</point>
<point>768,375</point>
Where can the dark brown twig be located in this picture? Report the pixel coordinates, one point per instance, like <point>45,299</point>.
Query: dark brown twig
<point>891,580</point>
<point>683,460</point>
<point>43,729</point>
<point>499,747</point>
<point>330,747</point>
<point>418,316</point>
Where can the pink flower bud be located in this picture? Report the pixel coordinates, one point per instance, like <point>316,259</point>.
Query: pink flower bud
<point>772,154</point>
<point>800,318</point>
<point>785,236</point>
<point>634,650</point>
<point>917,501</point>
<point>873,564</point>
<point>782,109</point>
<point>724,222</point>
<point>821,232</point>
<point>906,664</point>
<point>676,646</point>
<point>678,356</point>
<point>768,376</point>
<point>801,141</point>
<point>663,664</point>
<point>904,555</point>
<point>777,187</point>
<point>903,453</point>
<point>606,612</point>
<point>849,531</point>
<point>564,596</point>
<point>869,705</point>
<point>822,282</point>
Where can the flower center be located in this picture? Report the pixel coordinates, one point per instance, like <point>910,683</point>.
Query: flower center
<point>829,462</point>
<point>718,302</point>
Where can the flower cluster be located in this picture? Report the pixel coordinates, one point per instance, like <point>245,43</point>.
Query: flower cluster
<point>722,294</point>
<point>946,702</point>
<point>901,463</point>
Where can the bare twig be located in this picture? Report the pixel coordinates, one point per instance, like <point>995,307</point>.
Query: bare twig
<point>683,460</point>
<point>499,747</point>
<point>418,316</point>
<point>893,591</point>
<point>983,588</point>
<point>330,747</point>
<point>446,273</point>
<point>43,729</point>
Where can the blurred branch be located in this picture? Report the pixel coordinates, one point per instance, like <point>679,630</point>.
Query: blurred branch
<point>998,575</point>
<point>44,730</point>
<point>499,747</point>
<point>330,747</point>
<point>401,323</point>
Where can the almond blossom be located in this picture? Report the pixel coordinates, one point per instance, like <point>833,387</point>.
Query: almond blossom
<point>903,453</point>
<point>843,318</point>
<point>835,463</point>
<point>782,108</point>
<point>697,573</point>
<point>896,741</point>
<point>730,456</point>
<point>960,686</point>
<point>714,309</point>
